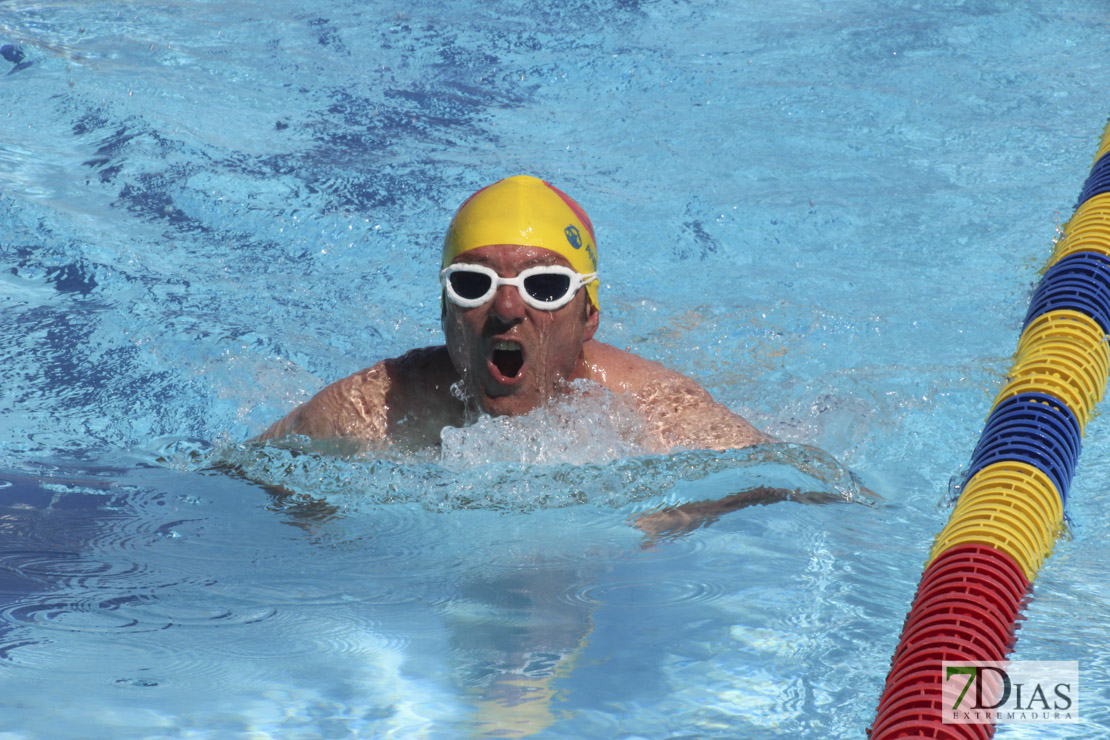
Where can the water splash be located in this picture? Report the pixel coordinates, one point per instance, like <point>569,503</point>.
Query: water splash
<point>586,447</point>
<point>587,425</point>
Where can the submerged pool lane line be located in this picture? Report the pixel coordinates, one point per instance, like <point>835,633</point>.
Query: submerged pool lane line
<point>1011,508</point>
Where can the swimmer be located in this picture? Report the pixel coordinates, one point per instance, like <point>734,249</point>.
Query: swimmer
<point>519,313</point>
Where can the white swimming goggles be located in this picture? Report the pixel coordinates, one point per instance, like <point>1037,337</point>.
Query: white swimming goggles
<point>546,287</point>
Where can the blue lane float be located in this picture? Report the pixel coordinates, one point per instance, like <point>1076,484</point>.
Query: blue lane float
<point>1099,181</point>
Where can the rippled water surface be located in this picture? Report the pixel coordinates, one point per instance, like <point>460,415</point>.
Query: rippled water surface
<point>831,214</point>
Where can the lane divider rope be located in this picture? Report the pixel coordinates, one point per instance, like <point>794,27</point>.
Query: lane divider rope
<point>1011,505</point>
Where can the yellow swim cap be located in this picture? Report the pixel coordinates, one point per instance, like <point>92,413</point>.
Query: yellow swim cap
<point>527,211</point>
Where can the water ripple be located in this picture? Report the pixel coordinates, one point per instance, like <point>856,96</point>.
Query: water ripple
<point>643,594</point>
<point>77,615</point>
<point>204,614</point>
<point>66,568</point>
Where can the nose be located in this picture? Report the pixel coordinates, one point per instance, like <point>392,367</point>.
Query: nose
<point>508,307</point>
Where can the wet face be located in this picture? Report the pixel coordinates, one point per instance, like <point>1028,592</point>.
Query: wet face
<point>514,357</point>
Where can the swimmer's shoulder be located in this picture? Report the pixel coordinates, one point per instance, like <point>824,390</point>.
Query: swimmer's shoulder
<point>418,383</point>
<point>621,370</point>
<point>679,411</point>
<point>365,404</point>
<point>421,371</point>
<point>420,374</point>
<point>349,407</point>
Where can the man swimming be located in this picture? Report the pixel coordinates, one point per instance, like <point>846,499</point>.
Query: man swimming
<point>519,314</point>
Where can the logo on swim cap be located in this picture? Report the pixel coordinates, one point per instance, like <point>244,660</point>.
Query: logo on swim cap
<point>573,237</point>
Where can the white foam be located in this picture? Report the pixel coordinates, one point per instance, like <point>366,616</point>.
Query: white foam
<point>587,425</point>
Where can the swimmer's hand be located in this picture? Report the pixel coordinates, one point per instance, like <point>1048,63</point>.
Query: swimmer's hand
<point>674,521</point>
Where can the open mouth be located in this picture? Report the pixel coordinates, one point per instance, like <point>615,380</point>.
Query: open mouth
<point>507,358</point>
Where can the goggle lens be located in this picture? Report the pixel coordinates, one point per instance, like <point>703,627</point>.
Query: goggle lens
<point>470,285</point>
<point>547,288</point>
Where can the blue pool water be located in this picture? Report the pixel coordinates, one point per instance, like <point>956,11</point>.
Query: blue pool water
<point>831,214</point>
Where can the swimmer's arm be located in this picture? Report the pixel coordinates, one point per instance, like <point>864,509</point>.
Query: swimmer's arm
<point>673,521</point>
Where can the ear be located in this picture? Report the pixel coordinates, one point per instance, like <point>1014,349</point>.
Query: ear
<point>592,319</point>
